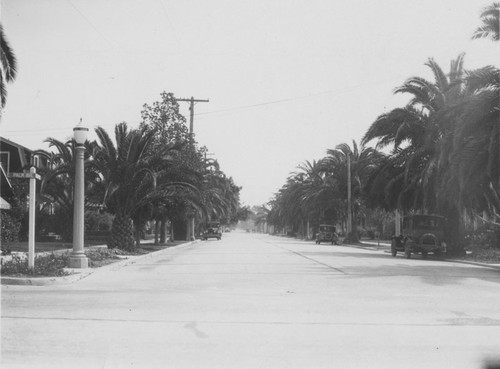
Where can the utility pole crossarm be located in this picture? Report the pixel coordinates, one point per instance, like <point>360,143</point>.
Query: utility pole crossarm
<point>192,100</point>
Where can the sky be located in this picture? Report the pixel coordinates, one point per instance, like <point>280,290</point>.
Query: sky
<point>285,80</point>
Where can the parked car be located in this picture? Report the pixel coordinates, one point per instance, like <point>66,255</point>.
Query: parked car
<point>420,234</point>
<point>213,230</point>
<point>327,233</point>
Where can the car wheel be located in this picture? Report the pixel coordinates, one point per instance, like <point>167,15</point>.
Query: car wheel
<point>394,251</point>
<point>424,254</point>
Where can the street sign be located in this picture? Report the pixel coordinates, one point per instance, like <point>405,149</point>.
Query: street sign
<point>25,175</point>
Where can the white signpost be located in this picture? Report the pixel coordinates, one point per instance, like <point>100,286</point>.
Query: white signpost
<point>32,176</point>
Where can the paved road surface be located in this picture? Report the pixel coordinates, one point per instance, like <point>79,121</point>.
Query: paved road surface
<point>257,301</point>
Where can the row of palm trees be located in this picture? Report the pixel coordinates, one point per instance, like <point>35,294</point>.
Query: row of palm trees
<point>440,153</point>
<point>155,172</point>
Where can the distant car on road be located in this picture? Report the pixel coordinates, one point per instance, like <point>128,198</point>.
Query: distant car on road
<point>327,233</point>
<point>420,234</point>
<point>213,231</point>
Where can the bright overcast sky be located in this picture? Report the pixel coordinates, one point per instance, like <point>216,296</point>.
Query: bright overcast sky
<point>286,80</point>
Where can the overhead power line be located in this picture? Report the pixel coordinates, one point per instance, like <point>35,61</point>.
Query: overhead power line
<point>88,22</point>
<point>280,101</point>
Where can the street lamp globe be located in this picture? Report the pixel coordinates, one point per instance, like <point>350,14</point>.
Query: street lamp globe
<point>80,133</point>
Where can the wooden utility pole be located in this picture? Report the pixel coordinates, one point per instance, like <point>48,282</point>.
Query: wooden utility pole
<point>349,208</point>
<point>192,100</point>
<point>191,225</point>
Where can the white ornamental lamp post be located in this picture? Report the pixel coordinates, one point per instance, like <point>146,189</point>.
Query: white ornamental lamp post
<point>77,258</point>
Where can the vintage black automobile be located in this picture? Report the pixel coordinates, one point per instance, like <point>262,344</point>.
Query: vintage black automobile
<point>327,233</point>
<point>420,234</point>
<point>213,230</point>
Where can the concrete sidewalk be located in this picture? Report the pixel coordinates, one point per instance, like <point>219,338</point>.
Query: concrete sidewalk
<point>78,274</point>
<point>386,246</point>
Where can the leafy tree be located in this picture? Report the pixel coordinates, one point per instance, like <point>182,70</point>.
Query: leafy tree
<point>164,119</point>
<point>216,197</point>
<point>168,127</point>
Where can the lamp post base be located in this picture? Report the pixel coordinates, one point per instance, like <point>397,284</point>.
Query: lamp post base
<point>78,261</point>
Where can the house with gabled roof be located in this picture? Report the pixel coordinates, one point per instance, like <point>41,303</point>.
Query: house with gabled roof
<point>14,158</point>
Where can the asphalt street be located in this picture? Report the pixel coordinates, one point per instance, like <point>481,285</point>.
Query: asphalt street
<point>258,301</point>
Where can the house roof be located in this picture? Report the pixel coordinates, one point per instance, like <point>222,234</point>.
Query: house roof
<point>15,144</point>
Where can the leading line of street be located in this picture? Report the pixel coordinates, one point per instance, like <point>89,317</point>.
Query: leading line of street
<point>258,301</point>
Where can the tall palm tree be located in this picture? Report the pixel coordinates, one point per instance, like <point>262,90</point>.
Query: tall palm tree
<point>221,196</point>
<point>473,154</point>
<point>445,155</point>
<point>127,177</point>
<point>490,23</point>
<point>363,162</point>
<point>8,67</point>
<point>416,136</point>
<point>129,173</point>
<point>320,193</point>
<point>58,181</point>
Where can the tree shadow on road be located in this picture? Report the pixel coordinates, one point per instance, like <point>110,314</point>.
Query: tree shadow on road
<point>433,272</point>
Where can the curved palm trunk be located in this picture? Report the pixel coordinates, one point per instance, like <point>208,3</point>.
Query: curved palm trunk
<point>157,232</point>
<point>163,230</point>
<point>122,235</point>
<point>456,231</point>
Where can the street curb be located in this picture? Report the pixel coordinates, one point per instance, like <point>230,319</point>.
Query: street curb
<point>43,281</point>
<point>79,274</point>
<point>485,265</point>
<point>492,266</point>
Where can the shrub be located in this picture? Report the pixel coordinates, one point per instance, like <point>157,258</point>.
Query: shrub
<point>486,255</point>
<point>45,265</point>
<point>484,237</point>
<point>9,228</point>
<point>97,221</point>
<point>53,265</point>
<point>100,257</point>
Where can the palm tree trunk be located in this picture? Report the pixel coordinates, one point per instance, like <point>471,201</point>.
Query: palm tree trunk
<point>172,235</point>
<point>163,227</point>
<point>157,230</point>
<point>122,235</point>
<point>137,235</point>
